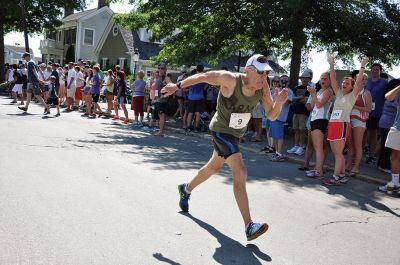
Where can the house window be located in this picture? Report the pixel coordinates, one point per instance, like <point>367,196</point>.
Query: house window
<point>115,30</point>
<point>121,62</point>
<point>88,37</point>
<point>59,36</point>
<point>104,63</point>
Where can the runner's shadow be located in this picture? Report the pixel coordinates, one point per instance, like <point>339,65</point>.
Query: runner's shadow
<point>23,114</point>
<point>231,251</point>
<point>160,257</point>
<point>48,117</point>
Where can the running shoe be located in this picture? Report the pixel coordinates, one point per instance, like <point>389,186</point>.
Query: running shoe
<point>115,118</point>
<point>57,115</point>
<point>299,151</point>
<point>255,230</point>
<point>293,149</point>
<point>332,181</point>
<point>183,198</point>
<point>389,188</point>
<point>23,108</point>
<point>126,121</point>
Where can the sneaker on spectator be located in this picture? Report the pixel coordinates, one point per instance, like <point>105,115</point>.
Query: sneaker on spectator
<point>309,172</point>
<point>299,151</point>
<point>277,158</point>
<point>315,175</point>
<point>293,149</point>
<point>343,179</point>
<point>389,188</point>
<point>332,181</point>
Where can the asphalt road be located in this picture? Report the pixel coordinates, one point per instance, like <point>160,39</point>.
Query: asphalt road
<point>80,191</point>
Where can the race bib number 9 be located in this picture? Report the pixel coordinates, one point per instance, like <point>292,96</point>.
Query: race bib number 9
<point>336,114</point>
<point>239,120</point>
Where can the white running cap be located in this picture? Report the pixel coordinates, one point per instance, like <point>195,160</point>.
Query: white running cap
<point>260,62</point>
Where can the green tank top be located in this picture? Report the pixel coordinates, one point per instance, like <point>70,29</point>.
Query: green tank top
<point>233,113</point>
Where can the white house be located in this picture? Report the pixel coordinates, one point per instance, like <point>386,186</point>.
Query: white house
<point>13,53</point>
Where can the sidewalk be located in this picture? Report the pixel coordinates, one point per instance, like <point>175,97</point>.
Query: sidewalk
<point>368,172</point>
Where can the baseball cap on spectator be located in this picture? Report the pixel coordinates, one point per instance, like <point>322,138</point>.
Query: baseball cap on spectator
<point>308,73</point>
<point>260,62</point>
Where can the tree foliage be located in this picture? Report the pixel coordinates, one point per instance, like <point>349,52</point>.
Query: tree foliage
<point>217,29</point>
<point>39,14</point>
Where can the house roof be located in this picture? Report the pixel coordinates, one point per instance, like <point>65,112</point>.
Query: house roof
<point>146,49</point>
<point>78,15</point>
<point>17,49</point>
<point>128,38</point>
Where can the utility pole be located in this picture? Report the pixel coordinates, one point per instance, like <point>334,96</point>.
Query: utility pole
<point>24,24</point>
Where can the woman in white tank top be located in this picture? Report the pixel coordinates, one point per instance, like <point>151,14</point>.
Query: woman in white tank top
<point>321,102</point>
<point>358,119</point>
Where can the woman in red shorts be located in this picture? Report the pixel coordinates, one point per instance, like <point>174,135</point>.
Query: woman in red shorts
<point>339,123</point>
<point>138,88</point>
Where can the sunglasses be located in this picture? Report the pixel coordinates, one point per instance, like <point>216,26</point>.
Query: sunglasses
<point>161,68</point>
<point>259,72</point>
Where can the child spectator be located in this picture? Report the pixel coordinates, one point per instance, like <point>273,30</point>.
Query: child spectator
<point>121,97</point>
<point>53,96</point>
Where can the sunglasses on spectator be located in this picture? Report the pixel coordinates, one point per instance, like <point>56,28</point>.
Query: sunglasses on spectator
<point>162,68</point>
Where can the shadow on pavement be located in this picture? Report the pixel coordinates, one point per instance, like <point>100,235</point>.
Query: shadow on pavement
<point>160,257</point>
<point>231,251</point>
<point>180,152</point>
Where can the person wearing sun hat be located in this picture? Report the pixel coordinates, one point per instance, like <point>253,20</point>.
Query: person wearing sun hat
<point>239,94</point>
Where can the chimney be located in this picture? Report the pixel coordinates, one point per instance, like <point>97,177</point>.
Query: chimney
<point>102,3</point>
<point>68,11</point>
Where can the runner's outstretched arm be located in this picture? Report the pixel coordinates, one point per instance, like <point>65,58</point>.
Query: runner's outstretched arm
<point>226,80</point>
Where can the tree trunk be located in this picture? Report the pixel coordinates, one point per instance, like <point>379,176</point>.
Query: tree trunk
<point>23,15</point>
<point>295,62</point>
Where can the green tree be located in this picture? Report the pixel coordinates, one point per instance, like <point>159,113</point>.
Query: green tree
<point>38,15</point>
<point>216,29</point>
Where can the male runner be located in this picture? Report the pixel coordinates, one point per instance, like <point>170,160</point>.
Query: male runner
<point>239,94</point>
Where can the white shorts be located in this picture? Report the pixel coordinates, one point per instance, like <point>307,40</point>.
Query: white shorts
<point>71,91</point>
<point>357,123</point>
<point>393,139</point>
<point>17,88</point>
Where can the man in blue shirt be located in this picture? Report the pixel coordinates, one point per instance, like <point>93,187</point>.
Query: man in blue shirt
<point>393,142</point>
<point>376,85</point>
<point>196,102</point>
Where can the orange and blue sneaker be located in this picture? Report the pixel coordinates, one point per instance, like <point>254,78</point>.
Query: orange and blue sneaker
<point>255,230</point>
<point>184,197</point>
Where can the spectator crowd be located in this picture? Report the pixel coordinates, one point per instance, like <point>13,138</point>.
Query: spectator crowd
<point>359,117</point>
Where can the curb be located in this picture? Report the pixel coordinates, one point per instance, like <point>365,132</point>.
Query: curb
<point>291,159</point>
